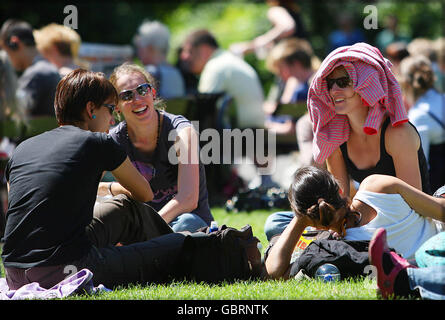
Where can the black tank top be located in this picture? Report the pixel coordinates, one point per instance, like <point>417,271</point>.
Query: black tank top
<point>385,165</point>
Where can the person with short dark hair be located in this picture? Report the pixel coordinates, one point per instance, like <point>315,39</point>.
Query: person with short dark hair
<point>53,180</point>
<point>409,216</point>
<point>39,78</point>
<point>222,72</point>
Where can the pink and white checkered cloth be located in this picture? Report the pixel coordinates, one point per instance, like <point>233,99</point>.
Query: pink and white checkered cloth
<point>372,79</point>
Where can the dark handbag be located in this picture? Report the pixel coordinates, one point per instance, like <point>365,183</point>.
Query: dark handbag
<point>350,257</point>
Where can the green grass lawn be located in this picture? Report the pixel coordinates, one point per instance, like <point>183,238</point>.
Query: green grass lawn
<point>361,289</point>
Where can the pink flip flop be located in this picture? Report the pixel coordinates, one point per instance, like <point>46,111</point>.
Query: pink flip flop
<point>377,247</point>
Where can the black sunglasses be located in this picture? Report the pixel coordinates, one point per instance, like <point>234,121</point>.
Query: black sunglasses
<point>110,107</point>
<point>141,89</point>
<point>342,82</point>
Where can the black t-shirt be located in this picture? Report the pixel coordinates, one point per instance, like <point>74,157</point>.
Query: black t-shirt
<point>36,87</point>
<point>53,180</point>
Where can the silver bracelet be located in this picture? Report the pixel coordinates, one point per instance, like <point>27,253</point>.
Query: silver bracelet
<point>109,188</point>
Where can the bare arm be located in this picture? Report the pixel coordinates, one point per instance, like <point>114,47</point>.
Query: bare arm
<point>402,143</point>
<point>187,197</point>
<point>131,182</point>
<point>421,202</point>
<point>336,165</point>
<point>283,26</point>
<point>277,263</point>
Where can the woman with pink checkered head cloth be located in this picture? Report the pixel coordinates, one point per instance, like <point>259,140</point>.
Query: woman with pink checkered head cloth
<point>359,120</point>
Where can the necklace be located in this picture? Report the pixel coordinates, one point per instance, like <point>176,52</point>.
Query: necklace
<point>158,133</point>
<point>157,142</point>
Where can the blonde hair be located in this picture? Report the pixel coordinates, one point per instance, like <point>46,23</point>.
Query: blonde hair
<point>66,40</point>
<point>422,46</point>
<point>417,75</point>
<point>131,68</point>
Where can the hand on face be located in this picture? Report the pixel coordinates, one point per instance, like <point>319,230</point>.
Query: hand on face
<point>337,224</point>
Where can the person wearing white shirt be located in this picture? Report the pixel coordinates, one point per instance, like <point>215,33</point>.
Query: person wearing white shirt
<point>221,71</point>
<point>427,112</point>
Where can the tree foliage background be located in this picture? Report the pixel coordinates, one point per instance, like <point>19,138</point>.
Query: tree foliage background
<point>116,21</point>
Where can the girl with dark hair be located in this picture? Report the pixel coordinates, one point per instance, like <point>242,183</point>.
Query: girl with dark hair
<point>52,181</point>
<point>409,216</point>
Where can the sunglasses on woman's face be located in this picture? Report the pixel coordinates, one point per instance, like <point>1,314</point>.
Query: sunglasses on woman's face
<point>141,90</point>
<point>110,107</point>
<point>342,82</point>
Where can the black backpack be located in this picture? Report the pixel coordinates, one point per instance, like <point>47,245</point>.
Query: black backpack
<point>350,257</point>
<point>225,255</point>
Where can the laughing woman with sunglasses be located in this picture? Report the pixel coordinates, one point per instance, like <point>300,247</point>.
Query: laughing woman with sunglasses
<point>178,180</point>
<point>360,124</point>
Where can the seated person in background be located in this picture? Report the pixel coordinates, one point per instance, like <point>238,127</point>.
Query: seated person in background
<point>39,78</point>
<point>427,113</point>
<point>178,182</point>
<point>222,72</point>
<point>360,123</point>
<point>292,60</point>
<point>409,216</point>
<point>152,44</point>
<point>59,45</point>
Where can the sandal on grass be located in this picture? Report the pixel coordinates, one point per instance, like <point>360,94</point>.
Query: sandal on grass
<point>389,264</point>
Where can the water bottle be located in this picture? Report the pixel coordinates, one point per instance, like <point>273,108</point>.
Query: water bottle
<point>328,273</point>
<point>213,226</point>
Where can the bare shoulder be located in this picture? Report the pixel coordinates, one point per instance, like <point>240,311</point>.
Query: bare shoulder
<point>279,14</point>
<point>401,138</point>
<point>380,183</point>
